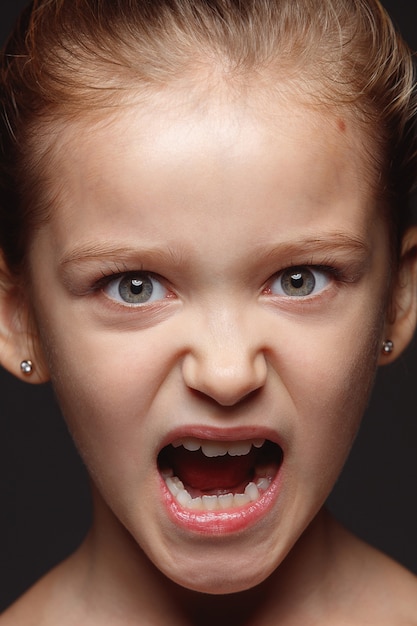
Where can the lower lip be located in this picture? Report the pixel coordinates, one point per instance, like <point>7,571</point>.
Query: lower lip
<point>222,522</point>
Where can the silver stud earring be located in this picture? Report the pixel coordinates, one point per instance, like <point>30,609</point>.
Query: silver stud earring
<point>26,367</point>
<point>387,346</point>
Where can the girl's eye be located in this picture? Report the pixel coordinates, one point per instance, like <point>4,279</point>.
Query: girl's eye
<point>300,282</point>
<point>135,289</point>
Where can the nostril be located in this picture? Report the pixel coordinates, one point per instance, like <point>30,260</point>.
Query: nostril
<point>225,400</point>
<point>226,403</point>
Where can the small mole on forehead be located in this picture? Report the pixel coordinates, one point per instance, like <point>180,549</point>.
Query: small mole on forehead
<point>341,125</point>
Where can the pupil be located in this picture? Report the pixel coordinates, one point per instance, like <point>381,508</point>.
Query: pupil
<point>297,280</point>
<point>136,286</point>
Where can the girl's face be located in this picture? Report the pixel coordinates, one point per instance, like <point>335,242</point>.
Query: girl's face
<point>210,295</point>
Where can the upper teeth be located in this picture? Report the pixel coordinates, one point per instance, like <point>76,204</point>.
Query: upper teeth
<point>218,448</point>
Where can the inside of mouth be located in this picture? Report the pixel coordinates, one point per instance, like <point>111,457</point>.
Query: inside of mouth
<point>202,475</point>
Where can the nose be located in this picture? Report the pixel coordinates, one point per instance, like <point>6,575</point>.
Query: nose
<point>226,362</point>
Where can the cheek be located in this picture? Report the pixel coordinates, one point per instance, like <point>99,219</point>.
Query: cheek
<point>109,421</point>
<point>106,396</point>
<point>330,396</point>
<point>105,389</point>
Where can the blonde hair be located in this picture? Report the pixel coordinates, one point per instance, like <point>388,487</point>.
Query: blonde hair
<point>67,58</point>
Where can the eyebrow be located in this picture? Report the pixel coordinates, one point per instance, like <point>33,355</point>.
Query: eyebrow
<point>109,252</point>
<point>325,244</point>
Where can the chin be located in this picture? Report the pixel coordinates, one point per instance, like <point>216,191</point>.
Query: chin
<point>217,583</point>
<point>220,572</point>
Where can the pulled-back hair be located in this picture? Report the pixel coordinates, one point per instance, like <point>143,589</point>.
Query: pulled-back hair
<point>70,58</point>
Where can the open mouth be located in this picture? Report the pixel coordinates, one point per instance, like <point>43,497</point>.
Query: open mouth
<point>211,475</point>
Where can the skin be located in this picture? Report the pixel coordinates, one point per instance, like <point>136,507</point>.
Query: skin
<point>216,197</point>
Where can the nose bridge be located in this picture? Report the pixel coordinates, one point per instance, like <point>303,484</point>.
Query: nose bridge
<point>226,358</point>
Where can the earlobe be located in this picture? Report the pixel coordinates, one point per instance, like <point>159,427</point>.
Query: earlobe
<point>402,320</point>
<point>20,353</point>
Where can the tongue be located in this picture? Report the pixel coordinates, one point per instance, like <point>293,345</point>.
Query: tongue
<point>205,474</point>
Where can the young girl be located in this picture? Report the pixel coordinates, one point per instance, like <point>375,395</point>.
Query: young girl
<point>205,249</point>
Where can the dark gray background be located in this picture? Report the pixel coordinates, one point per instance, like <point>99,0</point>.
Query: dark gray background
<point>44,498</point>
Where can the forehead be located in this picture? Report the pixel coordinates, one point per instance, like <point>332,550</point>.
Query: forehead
<point>223,153</point>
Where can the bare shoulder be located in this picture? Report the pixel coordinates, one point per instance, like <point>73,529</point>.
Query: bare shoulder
<point>383,592</point>
<point>49,602</point>
<point>396,588</point>
<point>28,610</point>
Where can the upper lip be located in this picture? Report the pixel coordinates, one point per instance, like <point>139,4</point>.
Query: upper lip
<point>225,434</point>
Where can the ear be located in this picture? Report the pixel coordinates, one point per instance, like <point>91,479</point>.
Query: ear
<point>402,318</point>
<point>19,339</point>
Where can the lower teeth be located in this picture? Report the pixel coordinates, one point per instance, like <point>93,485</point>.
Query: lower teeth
<point>217,502</point>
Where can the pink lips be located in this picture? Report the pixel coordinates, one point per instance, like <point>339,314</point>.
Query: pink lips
<point>221,522</point>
